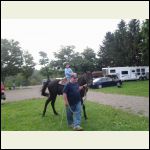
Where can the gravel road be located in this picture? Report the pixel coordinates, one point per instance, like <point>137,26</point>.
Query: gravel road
<point>134,104</point>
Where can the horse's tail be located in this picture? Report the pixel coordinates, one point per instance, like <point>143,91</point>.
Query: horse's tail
<point>45,85</point>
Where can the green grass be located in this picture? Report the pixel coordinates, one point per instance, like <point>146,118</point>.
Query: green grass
<point>134,88</point>
<point>27,116</point>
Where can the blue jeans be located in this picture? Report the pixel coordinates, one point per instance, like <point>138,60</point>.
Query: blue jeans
<point>74,114</point>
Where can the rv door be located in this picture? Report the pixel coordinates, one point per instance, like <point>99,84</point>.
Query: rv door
<point>133,75</point>
<point>124,75</point>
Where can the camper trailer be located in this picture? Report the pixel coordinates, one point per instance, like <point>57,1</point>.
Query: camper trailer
<point>128,73</point>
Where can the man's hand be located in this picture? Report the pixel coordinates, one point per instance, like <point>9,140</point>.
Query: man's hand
<point>85,85</point>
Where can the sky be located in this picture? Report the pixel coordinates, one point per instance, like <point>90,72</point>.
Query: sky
<point>49,35</point>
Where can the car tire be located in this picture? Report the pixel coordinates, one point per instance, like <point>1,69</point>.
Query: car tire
<point>118,84</point>
<point>100,86</point>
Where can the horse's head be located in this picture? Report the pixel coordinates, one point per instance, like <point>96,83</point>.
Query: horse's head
<point>86,78</point>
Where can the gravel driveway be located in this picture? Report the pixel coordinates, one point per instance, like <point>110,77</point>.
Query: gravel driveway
<point>134,104</point>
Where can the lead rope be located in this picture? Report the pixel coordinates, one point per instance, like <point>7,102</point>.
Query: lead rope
<point>62,115</point>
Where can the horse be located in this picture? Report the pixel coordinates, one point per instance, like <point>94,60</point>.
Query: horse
<point>55,89</point>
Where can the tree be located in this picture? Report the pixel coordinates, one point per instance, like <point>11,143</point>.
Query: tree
<point>88,60</point>
<point>145,42</point>
<point>106,53</point>
<point>79,62</point>
<point>28,66</point>
<point>66,54</point>
<point>120,49</point>
<point>124,46</point>
<point>46,70</point>
<point>134,41</point>
<point>11,58</point>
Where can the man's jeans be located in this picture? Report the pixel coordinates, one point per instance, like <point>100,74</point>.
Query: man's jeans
<point>74,114</point>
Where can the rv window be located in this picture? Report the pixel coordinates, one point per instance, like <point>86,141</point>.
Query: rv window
<point>138,73</point>
<point>124,72</point>
<point>137,70</point>
<point>112,71</point>
<point>142,70</point>
<point>133,70</point>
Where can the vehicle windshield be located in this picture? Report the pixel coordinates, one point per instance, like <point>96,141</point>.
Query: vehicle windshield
<point>96,80</point>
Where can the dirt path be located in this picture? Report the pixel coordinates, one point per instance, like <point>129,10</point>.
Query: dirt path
<point>134,104</point>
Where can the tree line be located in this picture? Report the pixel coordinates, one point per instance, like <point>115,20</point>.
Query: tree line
<point>128,45</point>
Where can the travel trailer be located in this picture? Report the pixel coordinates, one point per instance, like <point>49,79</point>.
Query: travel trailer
<point>128,73</point>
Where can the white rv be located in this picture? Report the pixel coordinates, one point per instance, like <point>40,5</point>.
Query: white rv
<point>128,73</point>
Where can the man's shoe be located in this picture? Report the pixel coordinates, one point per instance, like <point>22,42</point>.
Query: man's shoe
<point>78,128</point>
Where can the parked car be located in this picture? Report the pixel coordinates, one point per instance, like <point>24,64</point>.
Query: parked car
<point>3,95</point>
<point>105,82</point>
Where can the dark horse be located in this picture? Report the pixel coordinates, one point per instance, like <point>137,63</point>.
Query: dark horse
<point>56,89</point>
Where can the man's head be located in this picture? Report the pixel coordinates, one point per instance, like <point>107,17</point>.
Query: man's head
<point>74,77</point>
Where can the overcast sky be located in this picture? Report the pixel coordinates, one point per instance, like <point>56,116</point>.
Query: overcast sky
<point>49,35</point>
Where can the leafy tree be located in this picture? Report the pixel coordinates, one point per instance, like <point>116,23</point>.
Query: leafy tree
<point>120,50</point>
<point>79,62</point>
<point>36,78</point>
<point>28,66</point>
<point>44,61</point>
<point>88,62</point>
<point>105,54</point>
<point>76,62</point>
<point>125,47</point>
<point>66,54</point>
<point>11,58</point>
<point>134,41</point>
<point>145,42</point>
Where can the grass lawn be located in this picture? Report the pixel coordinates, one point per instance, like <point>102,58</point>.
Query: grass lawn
<point>135,88</point>
<point>27,116</point>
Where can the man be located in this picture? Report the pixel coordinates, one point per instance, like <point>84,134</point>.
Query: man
<point>72,100</point>
<point>68,72</point>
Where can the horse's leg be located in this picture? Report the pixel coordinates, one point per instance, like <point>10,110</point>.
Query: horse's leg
<point>53,104</point>
<point>85,116</point>
<point>46,103</point>
<point>84,112</point>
